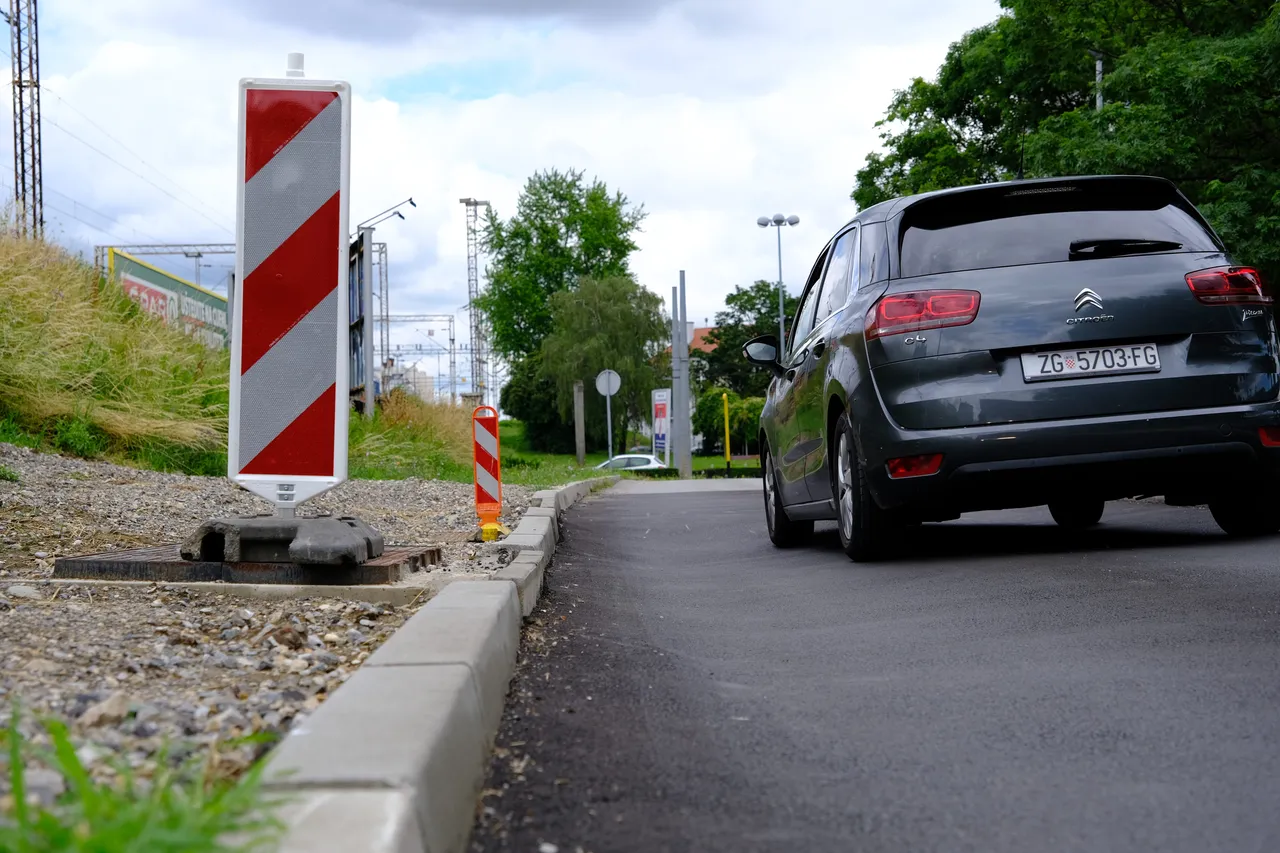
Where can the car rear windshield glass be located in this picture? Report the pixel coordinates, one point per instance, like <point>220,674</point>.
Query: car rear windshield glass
<point>1011,227</point>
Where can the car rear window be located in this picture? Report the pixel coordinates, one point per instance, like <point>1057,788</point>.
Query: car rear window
<point>1012,226</point>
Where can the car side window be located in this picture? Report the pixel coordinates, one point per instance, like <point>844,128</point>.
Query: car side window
<point>873,265</point>
<point>804,317</point>
<point>835,284</point>
<point>803,324</point>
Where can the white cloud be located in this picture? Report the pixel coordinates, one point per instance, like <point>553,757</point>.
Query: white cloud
<point>709,113</point>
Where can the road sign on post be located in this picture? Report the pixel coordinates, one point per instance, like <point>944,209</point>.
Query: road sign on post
<point>661,418</point>
<point>289,379</point>
<point>488,459</point>
<point>607,383</point>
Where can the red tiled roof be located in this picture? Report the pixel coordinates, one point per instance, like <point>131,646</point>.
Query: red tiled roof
<point>698,343</point>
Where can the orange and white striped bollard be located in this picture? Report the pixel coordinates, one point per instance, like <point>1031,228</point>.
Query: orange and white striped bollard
<point>488,467</point>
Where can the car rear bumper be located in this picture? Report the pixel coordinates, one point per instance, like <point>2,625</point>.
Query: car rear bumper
<point>1190,455</point>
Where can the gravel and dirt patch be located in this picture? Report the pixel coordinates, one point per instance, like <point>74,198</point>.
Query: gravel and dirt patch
<point>134,669</point>
<point>62,506</point>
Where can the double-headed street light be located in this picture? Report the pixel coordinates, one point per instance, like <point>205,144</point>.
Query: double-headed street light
<point>778,221</point>
<point>386,214</point>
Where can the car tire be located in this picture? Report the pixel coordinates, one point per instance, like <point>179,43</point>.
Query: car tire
<point>1246,517</point>
<point>783,532</point>
<point>864,527</point>
<point>1077,515</point>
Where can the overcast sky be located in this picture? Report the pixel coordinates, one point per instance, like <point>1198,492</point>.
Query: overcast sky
<point>709,112</point>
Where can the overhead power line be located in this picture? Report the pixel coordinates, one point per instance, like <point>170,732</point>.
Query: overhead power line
<point>100,129</point>
<point>138,175</point>
<point>97,228</point>
<point>79,204</point>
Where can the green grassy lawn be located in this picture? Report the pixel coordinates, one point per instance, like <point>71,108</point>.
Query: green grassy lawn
<point>527,467</point>
<point>522,465</point>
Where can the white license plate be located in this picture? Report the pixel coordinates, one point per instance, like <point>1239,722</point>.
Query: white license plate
<point>1090,361</point>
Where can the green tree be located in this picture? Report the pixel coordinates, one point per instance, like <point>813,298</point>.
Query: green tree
<point>967,125</point>
<point>708,418</point>
<point>1203,111</point>
<point>610,323</point>
<point>749,312</point>
<point>564,229</point>
<point>744,421</point>
<point>1191,93</point>
<point>530,397</point>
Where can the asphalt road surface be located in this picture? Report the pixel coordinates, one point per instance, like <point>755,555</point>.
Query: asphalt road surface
<point>1001,686</point>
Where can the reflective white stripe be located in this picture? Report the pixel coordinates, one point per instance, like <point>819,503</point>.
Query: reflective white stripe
<point>488,441</point>
<point>488,483</point>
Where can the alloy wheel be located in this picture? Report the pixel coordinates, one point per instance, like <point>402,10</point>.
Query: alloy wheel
<point>844,476</point>
<point>770,494</point>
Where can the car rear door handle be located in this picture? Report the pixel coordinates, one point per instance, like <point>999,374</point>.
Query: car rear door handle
<point>819,347</point>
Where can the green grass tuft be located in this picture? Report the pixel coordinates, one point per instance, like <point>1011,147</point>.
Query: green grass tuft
<point>78,437</point>
<point>8,475</point>
<point>185,808</point>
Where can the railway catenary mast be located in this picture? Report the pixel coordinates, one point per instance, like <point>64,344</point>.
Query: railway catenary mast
<point>479,337</point>
<point>28,189</point>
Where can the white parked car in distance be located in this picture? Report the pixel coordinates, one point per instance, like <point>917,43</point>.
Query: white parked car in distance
<point>631,462</point>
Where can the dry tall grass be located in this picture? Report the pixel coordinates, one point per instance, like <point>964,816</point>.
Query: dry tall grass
<point>410,436</point>
<point>69,350</point>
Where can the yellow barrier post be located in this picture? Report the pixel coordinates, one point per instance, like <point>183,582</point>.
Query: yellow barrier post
<point>727,464</point>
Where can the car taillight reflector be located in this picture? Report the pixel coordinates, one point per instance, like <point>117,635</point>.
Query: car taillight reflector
<point>915,466</point>
<point>1270,436</point>
<point>930,309</point>
<point>1229,286</point>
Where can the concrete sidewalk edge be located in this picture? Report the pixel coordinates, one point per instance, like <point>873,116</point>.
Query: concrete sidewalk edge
<point>394,761</point>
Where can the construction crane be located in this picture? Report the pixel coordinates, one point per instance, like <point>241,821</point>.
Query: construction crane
<point>479,339</point>
<point>28,189</point>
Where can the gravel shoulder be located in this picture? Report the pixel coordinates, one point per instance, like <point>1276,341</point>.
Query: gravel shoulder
<point>136,668</point>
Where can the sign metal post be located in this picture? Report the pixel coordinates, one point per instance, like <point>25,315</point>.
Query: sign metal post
<point>607,383</point>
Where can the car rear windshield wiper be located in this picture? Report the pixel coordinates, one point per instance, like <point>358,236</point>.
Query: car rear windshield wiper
<point>1110,248</point>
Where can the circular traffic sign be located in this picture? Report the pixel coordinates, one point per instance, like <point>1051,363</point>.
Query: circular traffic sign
<point>608,382</point>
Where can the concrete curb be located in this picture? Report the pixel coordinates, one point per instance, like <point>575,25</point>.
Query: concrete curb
<point>394,761</point>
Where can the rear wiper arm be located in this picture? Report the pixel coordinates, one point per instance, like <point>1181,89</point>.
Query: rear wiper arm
<point>1109,248</point>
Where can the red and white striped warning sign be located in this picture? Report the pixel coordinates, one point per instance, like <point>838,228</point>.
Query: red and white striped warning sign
<point>488,464</point>
<point>289,382</point>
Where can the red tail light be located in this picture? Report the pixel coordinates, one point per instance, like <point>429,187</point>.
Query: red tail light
<point>914,466</point>
<point>1270,436</point>
<point>1229,286</point>
<point>930,309</point>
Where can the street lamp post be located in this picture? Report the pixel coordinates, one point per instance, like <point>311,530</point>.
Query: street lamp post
<point>385,215</point>
<point>778,221</point>
<point>1097,76</point>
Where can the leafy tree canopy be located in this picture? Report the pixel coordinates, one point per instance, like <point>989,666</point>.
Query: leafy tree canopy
<point>1192,93</point>
<point>531,397</point>
<point>749,312</point>
<point>564,229</point>
<point>744,420</point>
<point>610,323</point>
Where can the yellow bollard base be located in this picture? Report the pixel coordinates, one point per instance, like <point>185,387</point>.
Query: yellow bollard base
<point>490,532</point>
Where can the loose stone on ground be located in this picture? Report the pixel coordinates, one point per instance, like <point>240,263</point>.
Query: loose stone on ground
<point>131,669</point>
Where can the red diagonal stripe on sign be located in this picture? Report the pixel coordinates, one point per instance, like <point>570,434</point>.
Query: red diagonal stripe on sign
<point>304,447</point>
<point>487,462</point>
<point>287,285</point>
<point>272,118</point>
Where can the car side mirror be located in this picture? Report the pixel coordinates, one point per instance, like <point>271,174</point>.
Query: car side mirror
<point>763,352</point>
